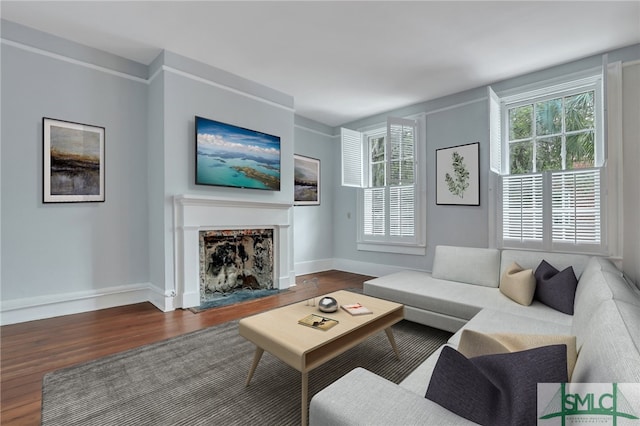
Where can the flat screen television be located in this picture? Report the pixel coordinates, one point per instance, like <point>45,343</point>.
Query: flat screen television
<point>232,156</point>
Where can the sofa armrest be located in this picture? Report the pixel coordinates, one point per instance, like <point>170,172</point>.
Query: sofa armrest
<point>363,398</point>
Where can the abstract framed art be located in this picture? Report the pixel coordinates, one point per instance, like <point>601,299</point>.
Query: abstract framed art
<point>458,175</point>
<point>73,162</point>
<point>306,181</point>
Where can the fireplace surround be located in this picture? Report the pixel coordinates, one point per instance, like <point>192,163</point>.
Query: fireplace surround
<point>193,214</point>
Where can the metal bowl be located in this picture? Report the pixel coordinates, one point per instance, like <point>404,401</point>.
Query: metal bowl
<point>328,304</point>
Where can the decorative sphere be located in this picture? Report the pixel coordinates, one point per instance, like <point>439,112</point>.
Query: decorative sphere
<point>328,304</point>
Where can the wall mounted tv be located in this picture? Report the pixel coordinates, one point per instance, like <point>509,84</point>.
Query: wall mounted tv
<point>228,155</point>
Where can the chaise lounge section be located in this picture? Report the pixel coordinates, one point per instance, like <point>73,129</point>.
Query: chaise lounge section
<point>465,294</point>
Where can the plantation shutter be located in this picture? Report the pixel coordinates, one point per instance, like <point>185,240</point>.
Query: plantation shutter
<point>495,132</point>
<point>575,206</point>
<point>374,208</point>
<point>352,158</point>
<point>522,208</point>
<point>401,137</point>
<point>401,211</point>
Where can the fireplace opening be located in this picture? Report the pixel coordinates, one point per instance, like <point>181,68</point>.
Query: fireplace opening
<point>235,265</point>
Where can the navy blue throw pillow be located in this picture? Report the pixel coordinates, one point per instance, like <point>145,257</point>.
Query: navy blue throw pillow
<point>556,289</point>
<point>496,389</point>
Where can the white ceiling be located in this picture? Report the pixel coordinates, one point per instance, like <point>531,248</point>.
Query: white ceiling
<point>345,60</point>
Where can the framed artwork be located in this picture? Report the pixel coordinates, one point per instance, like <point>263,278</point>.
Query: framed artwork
<point>73,157</point>
<point>458,175</point>
<point>306,188</point>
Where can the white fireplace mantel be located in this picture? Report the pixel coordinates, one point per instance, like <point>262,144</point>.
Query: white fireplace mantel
<point>193,214</point>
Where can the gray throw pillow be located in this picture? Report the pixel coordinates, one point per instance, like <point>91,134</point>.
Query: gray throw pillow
<point>496,389</point>
<point>556,289</point>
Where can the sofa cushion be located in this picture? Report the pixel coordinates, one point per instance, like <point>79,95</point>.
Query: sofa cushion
<point>518,284</point>
<point>499,321</point>
<point>610,352</point>
<point>419,289</point>
<point>597,263</point>
<point>479,266</point>
<point>596,286</point>
<point>459,300</point>
<point>496,389</point>
<point>473,343</point>
<point>531,259</point>
<point>361,397</point>
<point>554,288</point>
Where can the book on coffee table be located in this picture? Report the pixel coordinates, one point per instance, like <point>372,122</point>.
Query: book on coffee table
<point>356,309</point>
<point>318,321</point>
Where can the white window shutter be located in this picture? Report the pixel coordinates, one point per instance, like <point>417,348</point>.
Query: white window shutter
<point>352,158</point>
<point>374,211</point>
<point>495,132</point>
<point>522,208</point>
<point>401,137</point>
<point>575,206</point>
<point>401,211</point>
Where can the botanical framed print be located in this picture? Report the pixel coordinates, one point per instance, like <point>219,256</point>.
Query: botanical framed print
<point>306,188</point>
<point>73,157</point>
<point>458,175</point>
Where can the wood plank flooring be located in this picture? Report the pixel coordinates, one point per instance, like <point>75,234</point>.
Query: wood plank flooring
<point>30,350</point>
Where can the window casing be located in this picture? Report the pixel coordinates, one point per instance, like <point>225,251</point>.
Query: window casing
<point>388,201</point>
<point>550,162</point>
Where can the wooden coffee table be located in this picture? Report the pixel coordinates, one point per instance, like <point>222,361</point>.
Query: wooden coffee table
<point>305,348</point>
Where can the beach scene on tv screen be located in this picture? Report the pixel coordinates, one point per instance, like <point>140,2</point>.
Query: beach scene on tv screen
<point>227,155</point>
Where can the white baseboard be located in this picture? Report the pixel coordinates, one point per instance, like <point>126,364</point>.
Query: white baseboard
<point>49,306</point>
<point>366,268</point>
<point>346,265</point>
<point>161,299</point>
<point>311,267</point>
<point>39,307</point>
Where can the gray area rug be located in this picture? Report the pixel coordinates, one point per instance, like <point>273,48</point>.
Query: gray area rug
<point>199,379</point>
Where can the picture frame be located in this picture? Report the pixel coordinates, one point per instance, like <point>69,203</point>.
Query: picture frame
<point>306,188</point>
<point>236,157</point>
<point>73,162</point>
<point>458,175</point>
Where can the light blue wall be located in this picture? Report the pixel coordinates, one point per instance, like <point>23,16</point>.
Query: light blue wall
<point>64,258</point>
<point>457,225</point>
<point>454,120</point>
<point>313,225</point>
<point>58,252</point>
<point>156,163</point>
<point>54,249</point>
<point>190,89</point>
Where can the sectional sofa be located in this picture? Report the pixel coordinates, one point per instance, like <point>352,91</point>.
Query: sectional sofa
<point>471,292</point>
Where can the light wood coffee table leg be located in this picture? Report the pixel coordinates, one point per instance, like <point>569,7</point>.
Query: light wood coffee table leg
<point>305,396</point>
<point>392,340</point>
<point>256,360</point>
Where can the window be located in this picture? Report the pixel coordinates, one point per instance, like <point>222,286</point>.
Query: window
<point>552,134</point>
<point>383,163</point>
<point>548,149</point>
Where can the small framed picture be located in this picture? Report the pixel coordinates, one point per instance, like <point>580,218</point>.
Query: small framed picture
<point>73,169</point>
<point>458,175</point>
<point>306,187</point>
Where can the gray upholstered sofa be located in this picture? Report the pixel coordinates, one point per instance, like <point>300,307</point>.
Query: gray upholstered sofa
<point>462,293</point>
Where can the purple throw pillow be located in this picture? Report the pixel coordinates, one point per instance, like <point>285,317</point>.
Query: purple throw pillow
<point>556,289</point>
<point>496,389</point>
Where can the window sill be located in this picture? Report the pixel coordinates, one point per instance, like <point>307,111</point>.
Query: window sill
<point>393,248</point>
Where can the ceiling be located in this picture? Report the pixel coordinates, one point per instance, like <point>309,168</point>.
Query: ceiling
<point>345,60</point>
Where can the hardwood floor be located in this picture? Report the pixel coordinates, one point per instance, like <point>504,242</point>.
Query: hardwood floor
<point>30,350</point>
